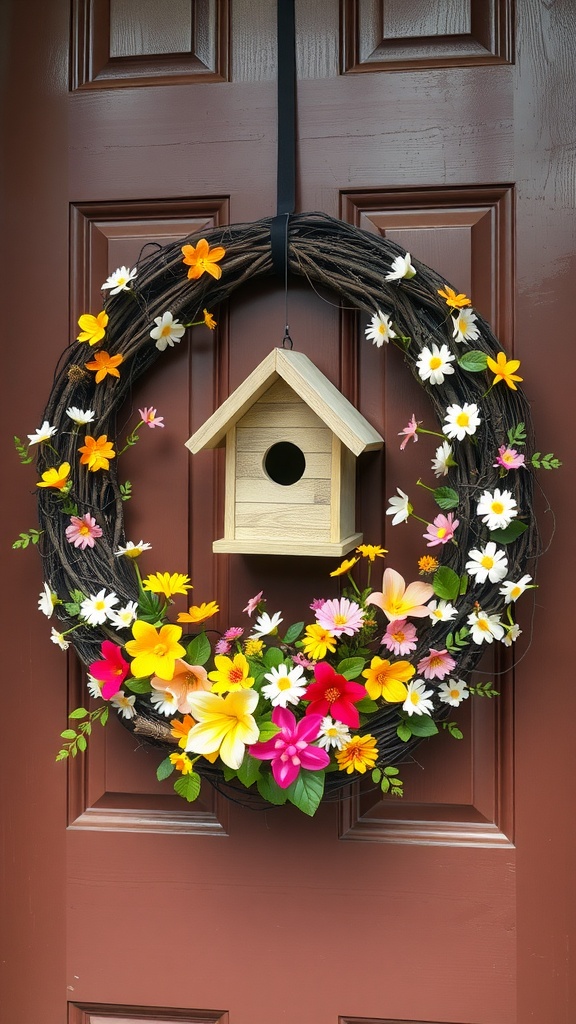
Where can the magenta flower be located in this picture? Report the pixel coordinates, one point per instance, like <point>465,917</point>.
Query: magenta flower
<point>223,646</point>
<point>150,418</point>
<point>112,671</point>
<point>508,458</point>
<point>410,432</point>
<point>253,603</point>
<point>291,749</point>
<point>83,531</point>
<point>334,695</point>
<point>441,530</point>
<point>340,616</point>
<point>318,603</point>
<point>436,665</point>
<point>400,637</point>
<point>234,633</point>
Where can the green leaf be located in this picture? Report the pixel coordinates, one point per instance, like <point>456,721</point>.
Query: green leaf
<point>188,786</point>
<point>72,609</point>
<point>273,657</point>
<point>199,650</point>
<point>23,453</point>
<point>548,461</point>
<point>138,685</point>
<point>453,729</point>
<point>367,706</point>
<point>267,730</point>
<point>293,632</point>
<point>149,606</point>
<point>390,771</point>
<point>24,539</point>
<point>68,734</point>
<point>78,713</point>
<point>456,641</point>
<point>446,497</point>
<point>511,533</point>
<point>463,584</point>
<point>423,726</point>
<point>473,361</point>
<point>517,435</point>
<point>385,784</point>
<point>81,741</point>
<point>351,668</point>
<point>61,755</point>
<point>164,769</point>
<point>403,732</point>
<point>249,770</point>
<point>126,490</point>
<point>446,583</point>
<point>104,715</point>
<point>270,790</point>
<point>306,791</point>
<point>376,775</point>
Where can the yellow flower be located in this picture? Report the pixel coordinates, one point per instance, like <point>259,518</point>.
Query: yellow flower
<point>253,647</point>
<point>201,258</point>
<point>453,299</point>
<point>199,612</point>
<point>427,564</point>
<point>209,320</point>
<point>181,727</point>
<point>371,551</point>
<point>97,452</point>
<point>357,755</point>
<point>167,584</point>
<point>93,328</point>
<point>504,370</point>
<point>386,679</point>
<point>225,725</point>
<point>317,641</point>
<point>154,651</point>
<point>182,763</point>
<point>230,674</point>
<point>346,565</point>
<point>56,477</point>
<point>104,364</point>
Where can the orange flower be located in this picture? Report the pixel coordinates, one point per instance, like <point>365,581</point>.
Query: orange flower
<point>104,364</point>
<point>209,319</point>
<point>57,478</point>
<point>97,452</point>
<point>199,612</point>
<point>182,763</point>
<point>453,299</point>
<point>93,328</point>
<point>180,728</point>
<point>386,679</point>
<point>202,258</point>
<point>504,370</point>
<point>427,564</point>
<point>357,755</point>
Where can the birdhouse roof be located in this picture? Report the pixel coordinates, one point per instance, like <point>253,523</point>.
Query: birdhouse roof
<point>310,384</point>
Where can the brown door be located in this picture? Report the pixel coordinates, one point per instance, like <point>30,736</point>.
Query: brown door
<point>448,128</point>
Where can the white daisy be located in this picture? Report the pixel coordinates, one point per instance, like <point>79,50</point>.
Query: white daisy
<point>434,364</point>
<point>441,611</point>
<point>443,460</point>
<point>333,734</point>
<point>487,563</point>
<point>418,700</point>
<point>461,420</point>
<point>285,686</point>
<point>400,508</point>
<point>511,591</point>
<point>167,331</point>
<point>133,550</point>
<point>164,701</point>
<point>453,692</point>
<point>498,509</point>
<point>265,625</point>
<point>94,687</point>
<point>379,329</point>
<point>47,601</point>
<point>80,416</point>
<point>124,704</point>
<point>95,610</point>
<point>512,634</point>
<point>60,639</point>
<point>122,618</point>
<point>120,280</point>
<point>485,628</point>
<point>44,433</point>
<point>401,267</point>
<point>464,329</point>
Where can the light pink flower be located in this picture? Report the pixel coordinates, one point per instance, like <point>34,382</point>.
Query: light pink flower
<point>399,601</point>
<point>317,603</point>
<point>83,531</point>
<point>253,603</point>
<point>340,616</point>
<point>300,659</point>
<point>441,530</point>
<point>150,418</point>
<point>509,458</point>
<point>223,646</point>
<point>410,432</point>
<point>400,637</point>
<point>436,665</point>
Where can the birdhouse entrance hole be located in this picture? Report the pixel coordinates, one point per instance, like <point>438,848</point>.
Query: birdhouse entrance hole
<point>284,463</point>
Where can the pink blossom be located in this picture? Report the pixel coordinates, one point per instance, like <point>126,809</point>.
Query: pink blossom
<point>83,531</point>
<point>112,671</point>
<point>291,749</point>
<point>410,432</point>
<point>223,647</point>
<point>509,458</point>
<point>436,665</point>
<point>300,659</point>
<point>318,603</point>
<point>400,637</point>
<point>340,616</point>
<point>150,418</point>
<point>253,603</point>
<point>441,530</point>
<point>234,633</point>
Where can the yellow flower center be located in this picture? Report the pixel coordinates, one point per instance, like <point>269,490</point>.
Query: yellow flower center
<point>462,419</point>
<point>99,605</point>
<point>399,637</point>
<point>160,650</point>
<point>486,562</point>
<point>482,624</point>
<point>283,683</point>
<point>235,675</point>
<point>515,592</point>
<point>415,697</point>
<point>84,530</point>
<point>165,330</point>
<point>331,694</point>
<point>462,324</point>
<point>454,694</point>
<point>435,362</point>
<point>441,532</point>
<point>340,620</point>
<point>121,280</point>
<point>190,679</point>
<point>497,507</point>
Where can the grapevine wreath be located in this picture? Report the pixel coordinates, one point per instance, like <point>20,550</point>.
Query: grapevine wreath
<point>287,712</point>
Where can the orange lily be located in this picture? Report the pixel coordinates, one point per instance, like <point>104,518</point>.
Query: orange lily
<point>201,258</point>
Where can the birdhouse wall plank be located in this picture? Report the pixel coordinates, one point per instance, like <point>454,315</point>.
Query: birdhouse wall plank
<point>230,484</point>
<point>303,492</point>
<point>280,391</point>
<point>280,414</point>
<point>347,497</point>
<point>250,465</point>
<point>309,440</point>
<point>255,520</point>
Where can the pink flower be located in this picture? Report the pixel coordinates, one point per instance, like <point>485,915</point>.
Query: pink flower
<point>223,646</point>
<point>253,603</point>
<point>436,665</point>
<point>299,659</point>
<point>112,671</point>
<point>399,601</point>
<point>318,603</point>
<point>150,418</point>
<point>400,637</point>
<point>442,530</point>
<point>83,531</point>
<point>410,432</point>
<point>185,680</point>
<point>334,695</point>
<point>234,633</point>
<point>340,616</point>
<point>508,458</point>
<point>291,749</point>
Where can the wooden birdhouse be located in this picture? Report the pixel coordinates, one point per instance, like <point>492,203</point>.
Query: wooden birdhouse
<point>291,445</point>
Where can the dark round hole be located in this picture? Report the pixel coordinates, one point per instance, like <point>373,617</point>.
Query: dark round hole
<point>284,463</point>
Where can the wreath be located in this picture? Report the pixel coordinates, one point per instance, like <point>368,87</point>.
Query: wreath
<point>287,712</point>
